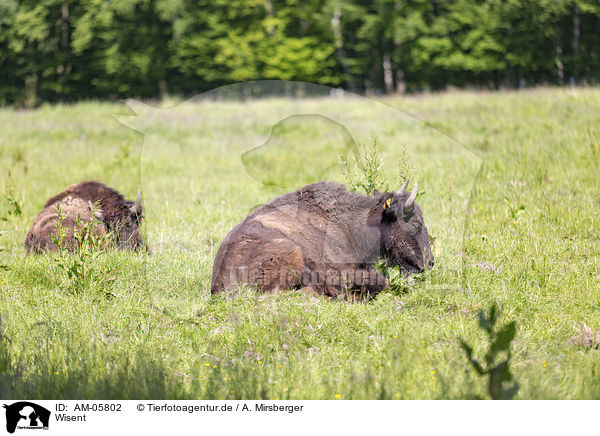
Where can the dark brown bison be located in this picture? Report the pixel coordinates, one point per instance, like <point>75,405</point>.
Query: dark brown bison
<point>85,202</point>
<point>324,239</point>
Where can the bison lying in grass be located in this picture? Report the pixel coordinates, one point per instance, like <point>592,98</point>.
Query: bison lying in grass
<point>324,239</point>
<point>86,203</point>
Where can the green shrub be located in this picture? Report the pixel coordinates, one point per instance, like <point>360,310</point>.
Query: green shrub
<point>499,342</point>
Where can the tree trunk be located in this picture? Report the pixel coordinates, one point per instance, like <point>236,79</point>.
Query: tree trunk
<point>163,89</point>
<point>64,68</point>
<point>271,13</point>
<point>388,78</point>
<point>576,28</point>
<point>400,83</point>
<point>560,69</point>
<point>576,36</point>
<point>340,53</point>
<point>30,99</point>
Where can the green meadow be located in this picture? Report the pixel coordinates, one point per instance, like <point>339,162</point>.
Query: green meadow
<point>510,191</point>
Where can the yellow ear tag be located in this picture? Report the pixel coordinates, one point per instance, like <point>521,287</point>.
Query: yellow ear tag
<point>387,203</point>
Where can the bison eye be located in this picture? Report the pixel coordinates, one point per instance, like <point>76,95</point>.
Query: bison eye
<point>415,227</point>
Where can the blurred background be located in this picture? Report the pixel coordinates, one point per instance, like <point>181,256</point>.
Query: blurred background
<point>68,50</point>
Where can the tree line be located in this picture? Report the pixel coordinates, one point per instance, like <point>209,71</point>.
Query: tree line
<point>66,50</point>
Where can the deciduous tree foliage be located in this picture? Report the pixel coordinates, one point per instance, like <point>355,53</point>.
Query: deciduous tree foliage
<point>63,50</point>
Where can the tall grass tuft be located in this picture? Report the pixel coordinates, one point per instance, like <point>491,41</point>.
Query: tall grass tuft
<point>15,205</point>
<point>81,268</point>
<point>3,266</point>
<point>366,174</point>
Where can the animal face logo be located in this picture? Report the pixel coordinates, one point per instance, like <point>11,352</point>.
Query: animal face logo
<point>300,150</point>
<point>230,158</point>
<point>26,415</point>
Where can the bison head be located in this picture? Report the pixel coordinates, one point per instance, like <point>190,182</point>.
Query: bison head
<point>404,237</point>
<point>124,220</point>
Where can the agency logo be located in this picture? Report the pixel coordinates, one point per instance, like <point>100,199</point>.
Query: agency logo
<point>26,415</point>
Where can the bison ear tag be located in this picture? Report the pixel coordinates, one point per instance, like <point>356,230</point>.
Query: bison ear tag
<point>387,203</point>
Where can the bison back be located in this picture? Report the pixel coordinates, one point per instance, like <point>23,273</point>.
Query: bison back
<point>47,226</point>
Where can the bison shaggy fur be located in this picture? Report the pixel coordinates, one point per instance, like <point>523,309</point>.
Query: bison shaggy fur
<point>83,203</point>
<point>324,239</point>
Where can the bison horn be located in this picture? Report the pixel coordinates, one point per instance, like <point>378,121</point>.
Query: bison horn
<point>137,207</point>
<point>404,185</point>
<point>410,203</point>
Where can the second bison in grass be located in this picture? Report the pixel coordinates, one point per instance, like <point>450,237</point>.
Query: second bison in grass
<point>81,204</point>
<point>324,239</point>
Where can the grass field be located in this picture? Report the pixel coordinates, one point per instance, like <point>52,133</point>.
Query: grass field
<point>512,197</point>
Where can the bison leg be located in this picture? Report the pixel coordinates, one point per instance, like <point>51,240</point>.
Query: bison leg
<point>359,283</point>
<point>280,271</point>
